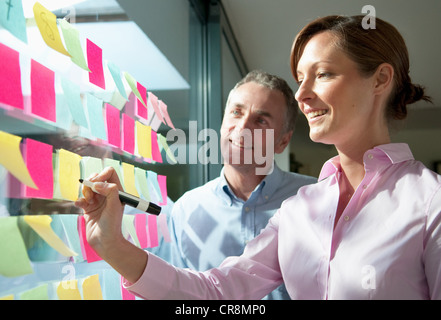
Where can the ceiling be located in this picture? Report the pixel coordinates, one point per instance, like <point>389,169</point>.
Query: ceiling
<point>265,31</point>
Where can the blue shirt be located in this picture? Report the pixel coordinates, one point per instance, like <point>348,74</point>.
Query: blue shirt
<point>210,223</point>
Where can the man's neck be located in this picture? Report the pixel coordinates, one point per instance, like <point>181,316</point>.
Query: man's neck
<point>242,181</point>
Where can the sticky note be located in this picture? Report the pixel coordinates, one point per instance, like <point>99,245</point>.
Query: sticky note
<point>10,77</point>
<point>12,159</point>
<point>68,174</point>
<point>129,178</point>
<point>95,64</point>
<point>116,75</point>
<point>92,288</point>
<point>90,165</point>
<point>38,157</point>
<point>162,182</point>
<point>7,297</point>
<point>152,179</point>
<point>43,102</point>
<point>64,118</point>
<point>96,117</point>
<point>164,112</point>
<point>68,290</point>
<point>14,260</point>
<point>155,103</point>
<point>113,125</point>
<point>12,18</point>
<point>141,229</point>
<point>156,153</point>
<point>152,230</point>
<point>162,223</point>
<point>41,224</point>
<point>163,142</point>
<point>133,84</point>
<point>47,24</point>
<point>37,293</point>
<point>70,227</point>
<point>128,135</point>
<point>128,226</point>
<point>115,164</point>
<point>71,37</point>
<point>73,99</point>
<point>143,140</point>
<point>142,104</point>
<point>87,251</point>
<point>141,183</point>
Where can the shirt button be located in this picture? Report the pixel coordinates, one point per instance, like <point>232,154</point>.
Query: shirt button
<point>365,186</point>
<point>266,197</point>
<point>247,209</point>
<point>370,156</point>
<point>346,218</point>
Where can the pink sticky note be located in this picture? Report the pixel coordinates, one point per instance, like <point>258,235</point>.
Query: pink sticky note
<point>152,224</point>
<point>88,253</point>
<point>141,106</point>
<point>95,64</point>
<point>10,78</point>
<point>162,223</point>
<point>141,229</point>
<point>113,125</point>
<point>42,92</point>
<point>128,137</point>
<point>162,181</point>
<point>164,111</point>
<point>156,154</point>
<point>38,157</point>
<point>155,104</point>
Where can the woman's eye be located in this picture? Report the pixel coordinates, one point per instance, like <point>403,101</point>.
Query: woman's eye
<point>322,75</point>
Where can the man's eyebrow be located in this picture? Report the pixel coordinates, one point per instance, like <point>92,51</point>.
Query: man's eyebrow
<point>264,113</point>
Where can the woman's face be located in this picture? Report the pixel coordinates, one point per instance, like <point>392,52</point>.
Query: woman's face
<point>335,98</point>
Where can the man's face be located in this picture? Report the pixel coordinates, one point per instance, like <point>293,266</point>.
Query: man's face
<point>253,124</point>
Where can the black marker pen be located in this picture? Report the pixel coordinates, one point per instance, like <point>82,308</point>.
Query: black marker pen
<point>131,200</point>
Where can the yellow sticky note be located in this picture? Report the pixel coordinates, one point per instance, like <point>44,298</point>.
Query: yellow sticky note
<point>92,288</point>
<point>47,24</point>
<point>129,178</point>
<point>12,159</point>
<point>69,173</point>
<point>8,297</point>
<point>42,226</point>
<point>68,290</point>
<point>144,140</point>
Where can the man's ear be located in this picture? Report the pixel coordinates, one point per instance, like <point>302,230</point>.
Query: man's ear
<point>384,77</point>
<point>283,142</point>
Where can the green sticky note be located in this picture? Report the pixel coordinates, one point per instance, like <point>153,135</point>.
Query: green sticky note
<point>12,18</point>
<point>116,75</point>
<point>71,37</point>
<point>14,260</point>
<point>37,293</point>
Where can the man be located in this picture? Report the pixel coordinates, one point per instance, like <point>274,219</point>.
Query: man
<point>216,220</point>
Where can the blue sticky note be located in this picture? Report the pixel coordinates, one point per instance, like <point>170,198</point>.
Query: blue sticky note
<point>116,75</point>
<point>73,98</point>
<point>12,18</point>
<point>96,117</point>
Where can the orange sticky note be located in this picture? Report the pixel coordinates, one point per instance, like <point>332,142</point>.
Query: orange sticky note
<point>38,157</point>
<point>47,24</point>
<point>12,159</point>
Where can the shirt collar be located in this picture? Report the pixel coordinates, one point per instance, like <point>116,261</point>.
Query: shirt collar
<point>391,153</point>
<point>267,186</point>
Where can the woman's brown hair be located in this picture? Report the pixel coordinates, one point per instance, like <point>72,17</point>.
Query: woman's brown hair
<point>368,48</point>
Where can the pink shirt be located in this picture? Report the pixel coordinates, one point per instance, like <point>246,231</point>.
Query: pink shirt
<point>386,245</point>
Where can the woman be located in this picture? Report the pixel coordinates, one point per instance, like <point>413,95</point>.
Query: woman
<point>369,229</point>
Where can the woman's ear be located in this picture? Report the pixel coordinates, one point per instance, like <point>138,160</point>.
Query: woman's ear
<point>384,77</point>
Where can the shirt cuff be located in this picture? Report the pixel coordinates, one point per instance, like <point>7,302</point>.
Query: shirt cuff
<point>155,282</point>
